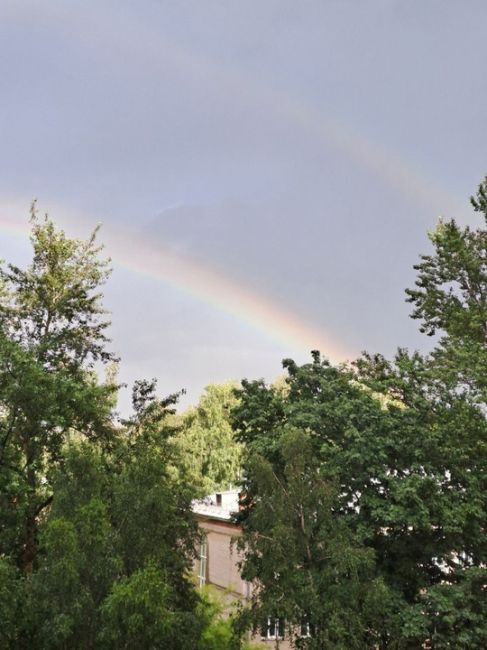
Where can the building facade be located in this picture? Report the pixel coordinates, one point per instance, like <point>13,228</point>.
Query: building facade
<point>218,561</point>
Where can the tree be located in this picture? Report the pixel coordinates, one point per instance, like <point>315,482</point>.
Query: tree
<point>450,299</point>
<point>308,567</point>
<point>400,446</point>
<point>52,332</point>
<point>210,454</point>
<point>351,482</point>
<point>140,613</point>
<point>406,496</point>
<point>11,596</point>
<point>116,549</point>
<point>97,534</point>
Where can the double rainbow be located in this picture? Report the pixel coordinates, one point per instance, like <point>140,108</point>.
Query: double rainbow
<point>139,255</point>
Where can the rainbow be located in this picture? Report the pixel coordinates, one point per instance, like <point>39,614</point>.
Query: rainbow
<point>294,113</point>
<point>199,281</point>
<point>135,254</point>
<point>145,258</point>
<point>156,53</point>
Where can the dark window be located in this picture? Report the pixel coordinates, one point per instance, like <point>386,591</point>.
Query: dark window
<point>272,628</point>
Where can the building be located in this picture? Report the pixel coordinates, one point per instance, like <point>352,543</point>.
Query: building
<point>219,557</point>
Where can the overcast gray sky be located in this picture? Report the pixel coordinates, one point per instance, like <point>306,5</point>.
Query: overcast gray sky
<point>266,171</point>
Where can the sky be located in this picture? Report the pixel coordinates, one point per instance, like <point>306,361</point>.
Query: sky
<point>265,171</point>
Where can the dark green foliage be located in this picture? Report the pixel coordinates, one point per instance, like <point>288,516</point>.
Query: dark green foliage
<point>457,611</point>
<point>400,448</point>
<point>329,506</point>
<point>308,565</point>
<point>11,598</point>
<point>97,534</point>
<point>383,471</point>
<point>117,547</point>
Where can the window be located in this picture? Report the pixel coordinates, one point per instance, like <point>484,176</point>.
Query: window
<point>305,630</point>
<point>203,563</point>
<point>247,589</point>
<point>272,628</point>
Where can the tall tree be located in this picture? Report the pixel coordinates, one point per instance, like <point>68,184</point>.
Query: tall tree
<point>450,300</point>
<point>308,567</point>
<point>97,535</point>
<point>403,442</point>
<point>331,503</point>
<point>52,332</point>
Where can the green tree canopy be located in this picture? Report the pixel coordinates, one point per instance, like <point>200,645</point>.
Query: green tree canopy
<point>116,551</point>
<point>52,332</point>
<point>400,448</point>
<point>211,456</point>
<point>97,535</point>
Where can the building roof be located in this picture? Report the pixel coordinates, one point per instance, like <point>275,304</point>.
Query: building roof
<point>220,505</point>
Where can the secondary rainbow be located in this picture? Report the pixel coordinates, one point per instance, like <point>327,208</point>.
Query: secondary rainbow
<point>295,114</point>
